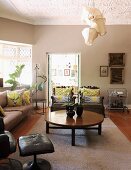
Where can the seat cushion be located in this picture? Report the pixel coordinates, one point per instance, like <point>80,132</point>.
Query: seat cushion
<point>11,119</point>
<point>35,144</point>
<point>61,99</point>
<point>24,109</point>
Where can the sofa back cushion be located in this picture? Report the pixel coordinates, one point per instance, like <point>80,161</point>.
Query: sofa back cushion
<point>3,99</point>
<point>62,91</point>
<point>90,92</point>
<point>26,97</point>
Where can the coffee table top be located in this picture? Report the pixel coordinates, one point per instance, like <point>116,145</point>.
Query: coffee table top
<point>60,118</point>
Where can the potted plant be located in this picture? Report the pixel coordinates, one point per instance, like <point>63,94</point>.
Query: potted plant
<point>15,76</point>
<point>79,109</point>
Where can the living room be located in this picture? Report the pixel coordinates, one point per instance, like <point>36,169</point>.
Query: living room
<point>67,38</point>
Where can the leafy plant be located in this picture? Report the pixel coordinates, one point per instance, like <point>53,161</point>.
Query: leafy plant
<point>14,76</point>
<point>38,86</point>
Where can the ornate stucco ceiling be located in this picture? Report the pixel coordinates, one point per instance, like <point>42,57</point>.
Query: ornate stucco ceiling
<point>64,12</point>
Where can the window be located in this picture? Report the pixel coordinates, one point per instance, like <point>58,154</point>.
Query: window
<point>12,54</point>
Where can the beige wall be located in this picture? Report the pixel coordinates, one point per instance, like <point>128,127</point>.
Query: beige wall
<point>66,39</point>
<point>16,31</point>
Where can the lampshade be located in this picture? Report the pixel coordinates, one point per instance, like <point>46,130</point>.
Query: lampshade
<point>89,34</point>
<point>99,25</point>
<point>96,23</point>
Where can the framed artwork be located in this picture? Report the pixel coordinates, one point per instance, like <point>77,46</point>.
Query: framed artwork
<point>116,75</point>
<point>72,73</point>
<point>103,71</point>
<point>66,72</point>
<point>116,59</point>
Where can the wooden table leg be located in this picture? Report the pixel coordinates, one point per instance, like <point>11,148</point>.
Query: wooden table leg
<point>73,137</point>
<point>47,127</point>
<point>99,129</point>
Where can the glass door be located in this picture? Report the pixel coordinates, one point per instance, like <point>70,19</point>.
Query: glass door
<point>63,70</point>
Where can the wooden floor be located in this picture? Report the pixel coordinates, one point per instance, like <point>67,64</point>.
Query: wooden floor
<point>121,119</point>
<point>26,125</point>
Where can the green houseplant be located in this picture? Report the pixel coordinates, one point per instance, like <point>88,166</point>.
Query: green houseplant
<point>14,76</point>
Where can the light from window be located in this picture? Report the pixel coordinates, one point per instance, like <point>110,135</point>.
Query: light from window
<point>12,55</point>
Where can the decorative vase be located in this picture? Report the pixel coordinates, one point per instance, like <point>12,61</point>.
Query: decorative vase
<point>70,111</point>
<point>79,110</point>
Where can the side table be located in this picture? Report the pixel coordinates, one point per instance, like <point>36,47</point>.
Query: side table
<point>43,101</point>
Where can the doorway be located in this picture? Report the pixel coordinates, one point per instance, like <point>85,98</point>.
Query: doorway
<point>63,70</point>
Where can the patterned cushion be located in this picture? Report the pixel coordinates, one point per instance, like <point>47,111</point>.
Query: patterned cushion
<point>14,98</point>
<point>61,99</point>
<point>63,91</point>
<point>2,114</point>
<point>90,92</point>
<point>89,99</point>
<point>26,97</point>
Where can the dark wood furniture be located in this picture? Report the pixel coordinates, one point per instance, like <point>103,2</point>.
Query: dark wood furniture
<point>86,121</point>
<point>97,107</point>
<point>61,91</point>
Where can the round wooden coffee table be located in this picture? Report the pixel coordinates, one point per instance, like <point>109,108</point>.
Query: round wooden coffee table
<point>86,121</point>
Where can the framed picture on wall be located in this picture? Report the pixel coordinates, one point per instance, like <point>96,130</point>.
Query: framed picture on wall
<point>103,71</point>
<point>66,72</point>
<point>116,59</point>
<point>117,75</point>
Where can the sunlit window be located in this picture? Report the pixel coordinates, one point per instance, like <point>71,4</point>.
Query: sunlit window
<point>12,54</point>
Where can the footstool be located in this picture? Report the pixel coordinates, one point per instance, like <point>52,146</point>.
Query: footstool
<point>35,144</point>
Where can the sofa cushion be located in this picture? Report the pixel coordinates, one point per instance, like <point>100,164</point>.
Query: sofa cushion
<point>90,92</point>
<point>11,119</point>
<point>94,99</point>
<point>14,98</point>
<point>26,97</point>
<point>3,99</point>
<point>65,91</point>
<point>60,99</point>
<point>24,109</point>
<point>2,113</point>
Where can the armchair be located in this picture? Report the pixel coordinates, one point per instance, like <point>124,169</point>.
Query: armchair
<point>61,95</point>
<point>7,147</point>
<point>91,100</point>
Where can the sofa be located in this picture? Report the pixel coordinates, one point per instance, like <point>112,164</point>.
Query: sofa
<point>61,96</point>
<point>14,112</point>
<point>91,99</point>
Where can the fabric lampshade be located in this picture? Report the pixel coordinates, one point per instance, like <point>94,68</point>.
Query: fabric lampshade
<point>89,34</point>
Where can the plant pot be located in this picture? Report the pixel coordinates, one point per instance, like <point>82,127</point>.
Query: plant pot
<point>69,107</point>
<point>70,113</point>
<point>79,110</point>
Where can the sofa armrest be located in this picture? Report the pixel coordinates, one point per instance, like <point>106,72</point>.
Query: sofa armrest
<point>101,99</point>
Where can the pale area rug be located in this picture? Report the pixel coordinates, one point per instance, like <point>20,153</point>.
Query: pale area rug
<point>110,151</point>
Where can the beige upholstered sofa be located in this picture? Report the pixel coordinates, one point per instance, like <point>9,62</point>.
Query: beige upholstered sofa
<point>13,114</point>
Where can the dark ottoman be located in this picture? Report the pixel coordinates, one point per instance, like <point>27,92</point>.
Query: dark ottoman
<point>35,144</point>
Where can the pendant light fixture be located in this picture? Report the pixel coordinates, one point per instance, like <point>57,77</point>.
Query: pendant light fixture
<point>95,22</point>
